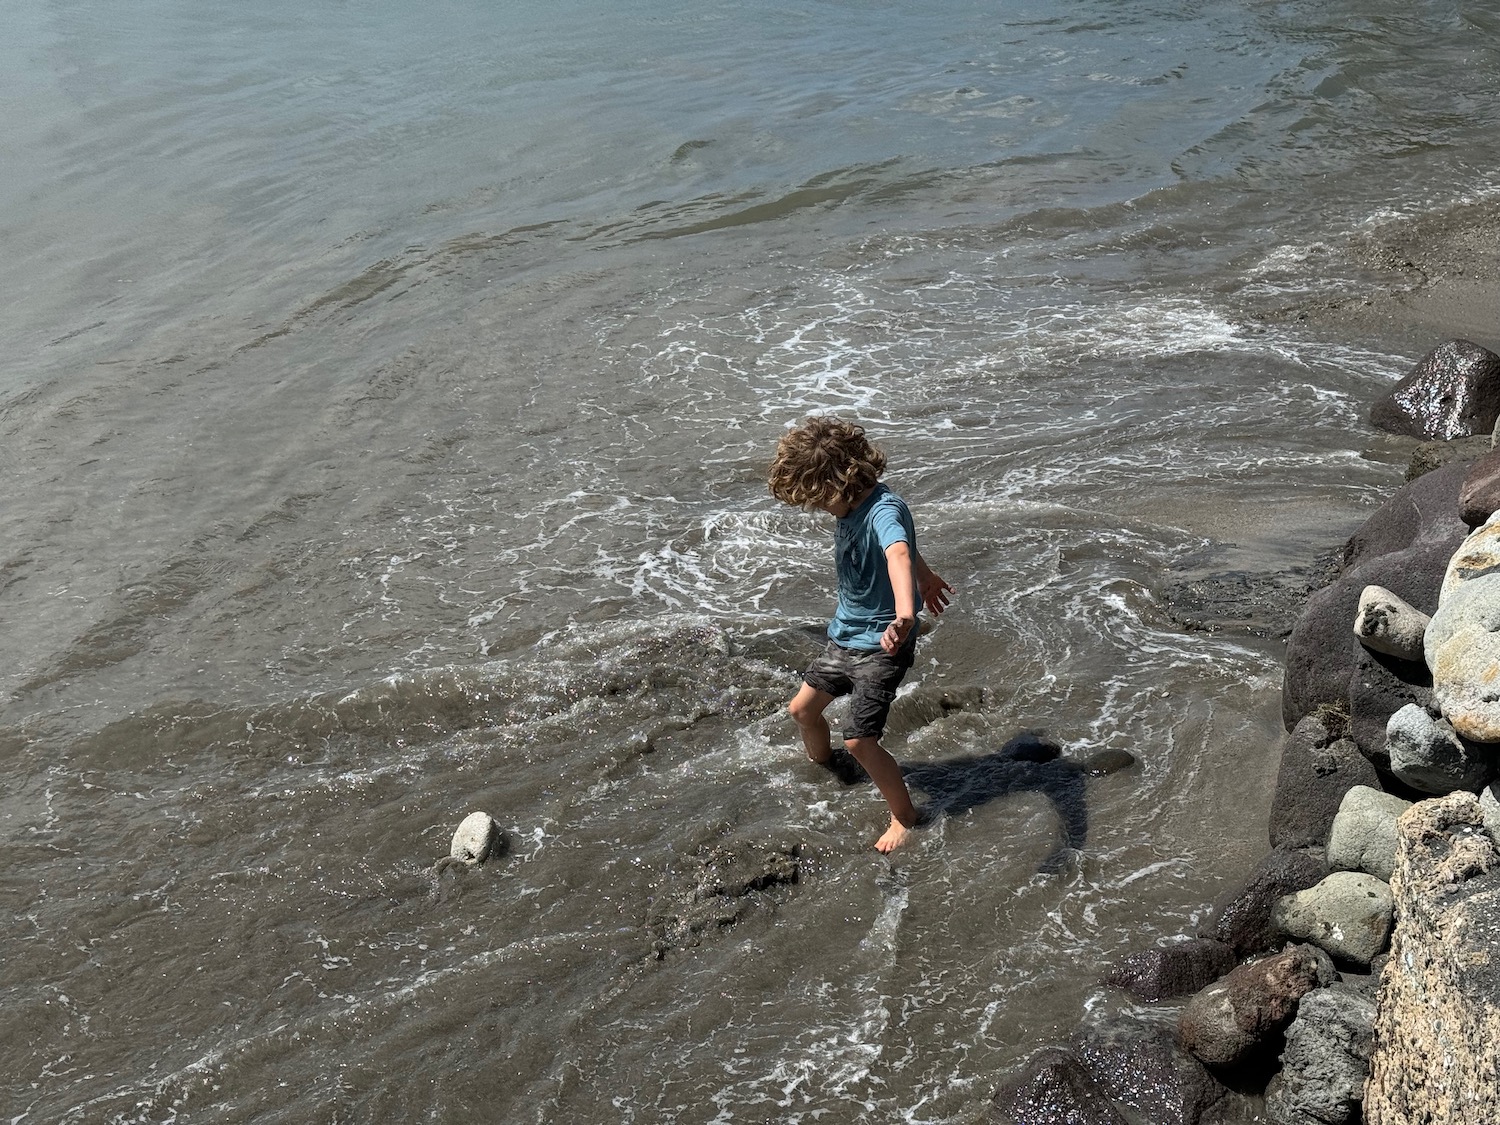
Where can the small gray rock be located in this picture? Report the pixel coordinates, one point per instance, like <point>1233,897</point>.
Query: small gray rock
<point>1427,754</point>
<point>1387,624</point>
<point>1363,837</point>
<point>1348,915</point>
<point>474,839</point>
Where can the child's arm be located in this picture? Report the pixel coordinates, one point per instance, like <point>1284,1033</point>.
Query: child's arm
<point>932,587</point>
<point>898,564</point>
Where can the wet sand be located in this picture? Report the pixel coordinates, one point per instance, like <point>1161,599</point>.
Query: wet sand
<point>1436,277</point>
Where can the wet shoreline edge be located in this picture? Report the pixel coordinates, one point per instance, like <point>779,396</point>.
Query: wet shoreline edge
<point>1441,287</point>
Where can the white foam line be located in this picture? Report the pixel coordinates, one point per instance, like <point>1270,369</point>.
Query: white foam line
<point>1152,869</point>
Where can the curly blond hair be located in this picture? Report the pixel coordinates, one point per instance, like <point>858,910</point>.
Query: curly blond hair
<point>824,460</point>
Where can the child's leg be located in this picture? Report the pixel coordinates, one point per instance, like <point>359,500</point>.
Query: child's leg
<point>807,708</point>
<point>886,774</point>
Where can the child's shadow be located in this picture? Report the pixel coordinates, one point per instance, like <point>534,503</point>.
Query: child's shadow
<point>1028,763</point>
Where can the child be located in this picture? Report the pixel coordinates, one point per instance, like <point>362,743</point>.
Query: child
<point>827,463</point>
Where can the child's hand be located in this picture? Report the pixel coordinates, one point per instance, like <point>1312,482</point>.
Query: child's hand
<point>934,590</point>
<point>896,634</point>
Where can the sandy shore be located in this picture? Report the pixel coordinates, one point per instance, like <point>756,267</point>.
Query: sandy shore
<point>1436,277</point>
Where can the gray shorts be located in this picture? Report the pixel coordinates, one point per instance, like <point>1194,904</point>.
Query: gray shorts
<point>868,677</point>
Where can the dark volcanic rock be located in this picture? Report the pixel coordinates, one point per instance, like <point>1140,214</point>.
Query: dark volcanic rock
<point>1317,769</point>
<point>1103,762</point>
<point>1322,651</point>
<point>1327,1057</point>
<point>1141,1067</point>
<point>1454,391</point>
<point>1241,919</point>
<point>1379,686</point>
<point>1423,509</point>
<point>1053,1088</point>
<point>1178,969</point>
<point>923,705</point>
<point>1479,497</point>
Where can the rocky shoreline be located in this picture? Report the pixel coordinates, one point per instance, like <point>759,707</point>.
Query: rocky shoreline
<point>1355,976</point>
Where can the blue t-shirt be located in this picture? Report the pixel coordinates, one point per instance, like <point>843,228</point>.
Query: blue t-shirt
<point>867,604</point>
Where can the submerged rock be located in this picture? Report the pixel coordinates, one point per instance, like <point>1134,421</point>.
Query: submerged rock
<point>1454,391</point>
<point>1432,455</point>
<point>1053,1088</point>
<point>1177,969</point>
<point>720,887</point>
<point>1261,604</point>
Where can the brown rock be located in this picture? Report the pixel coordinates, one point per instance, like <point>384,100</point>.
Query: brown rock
<point>1479,498</point>
<point>1238,1019</point>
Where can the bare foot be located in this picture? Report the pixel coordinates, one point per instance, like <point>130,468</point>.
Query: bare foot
<point>894,837</point>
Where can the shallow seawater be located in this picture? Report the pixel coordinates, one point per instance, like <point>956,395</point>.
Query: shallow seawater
<point>385,430</point>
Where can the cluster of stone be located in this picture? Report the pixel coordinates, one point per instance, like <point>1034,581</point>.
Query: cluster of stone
<point>1355,977</point>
